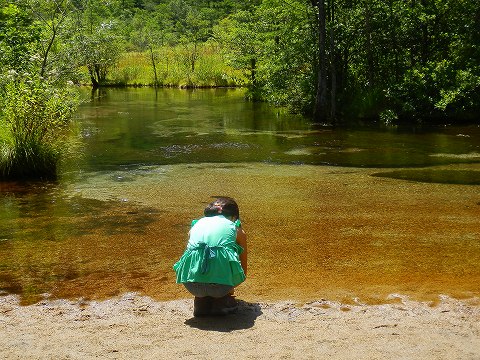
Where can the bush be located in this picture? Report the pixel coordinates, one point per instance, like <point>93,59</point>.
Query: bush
<point>36,128</point>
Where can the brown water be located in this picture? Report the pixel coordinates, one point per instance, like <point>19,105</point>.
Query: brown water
<point>334,214</point>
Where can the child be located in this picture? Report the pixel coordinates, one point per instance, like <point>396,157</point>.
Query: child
<point>215,260</point>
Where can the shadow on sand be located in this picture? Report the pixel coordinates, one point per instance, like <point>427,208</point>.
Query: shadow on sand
<point>243,318</point>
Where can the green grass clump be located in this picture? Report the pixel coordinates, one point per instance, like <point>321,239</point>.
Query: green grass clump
<point>35,129</point>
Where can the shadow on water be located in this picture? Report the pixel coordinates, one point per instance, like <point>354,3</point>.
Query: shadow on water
<point>244,318</point>
<point>454,177</point>
<point>48,237</point>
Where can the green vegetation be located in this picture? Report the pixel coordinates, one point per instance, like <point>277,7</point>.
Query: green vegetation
<point>390,61</point>
<point>173,68</point>
<point>35,110</point>
<point>36,129</point>
<point>333,60</point>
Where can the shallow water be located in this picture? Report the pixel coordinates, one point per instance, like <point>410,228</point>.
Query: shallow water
<point>330,213</point>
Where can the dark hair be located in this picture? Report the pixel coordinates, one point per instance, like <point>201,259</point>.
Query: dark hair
<point>225,206</point>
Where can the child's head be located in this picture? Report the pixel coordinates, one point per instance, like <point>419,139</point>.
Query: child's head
<point>225,206</point>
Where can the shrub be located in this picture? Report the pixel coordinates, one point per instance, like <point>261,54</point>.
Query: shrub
<point>36,128</point>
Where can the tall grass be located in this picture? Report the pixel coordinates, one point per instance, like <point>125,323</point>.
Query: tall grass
<point>184,65</point>
<point>35,129</point>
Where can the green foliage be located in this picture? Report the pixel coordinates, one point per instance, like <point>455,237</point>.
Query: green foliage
<point>98,52</point>
<point>36,124</point>
<point>19,37</point>
<point>287,66</point>
<point>380,60</point>
<point>436,74</point>
<point>242,45</point>
<point>96,43</point>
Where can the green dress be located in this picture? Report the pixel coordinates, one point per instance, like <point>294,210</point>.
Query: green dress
<point>212,254</point>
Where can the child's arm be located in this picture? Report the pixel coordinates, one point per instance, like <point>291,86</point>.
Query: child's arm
<point>242,241</point>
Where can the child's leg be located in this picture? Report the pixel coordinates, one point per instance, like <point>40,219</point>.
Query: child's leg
<point>224,305</point>
<point>202,306</point>
<point>211,299</point>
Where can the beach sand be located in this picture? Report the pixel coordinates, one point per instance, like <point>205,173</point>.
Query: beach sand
<point>138,327</point>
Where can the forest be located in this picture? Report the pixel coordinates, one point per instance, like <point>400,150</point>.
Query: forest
<point>332,60</point>
<point>336,62</point>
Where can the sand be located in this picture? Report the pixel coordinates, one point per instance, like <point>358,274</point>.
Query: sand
<point>137,327</point>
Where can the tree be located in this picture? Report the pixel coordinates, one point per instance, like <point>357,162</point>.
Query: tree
<point>195,31</point>
<point>36,126</point>
<point>96,44</point>
<point>331,59</point>
<point>240,37</point>
<point>288,65</point>
<point>51,15</point>
<point>320,108</point>
<point>35,112</point>
<point>19,36</point>
<point>98,51</point>
<point>437,77</point>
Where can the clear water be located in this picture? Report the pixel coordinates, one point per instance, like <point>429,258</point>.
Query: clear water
<point>330,213</point>
<point>141,126</point>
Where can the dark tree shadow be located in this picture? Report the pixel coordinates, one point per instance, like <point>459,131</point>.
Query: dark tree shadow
<point>243,318</point>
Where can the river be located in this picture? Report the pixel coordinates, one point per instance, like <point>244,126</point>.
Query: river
<point>347,214</point>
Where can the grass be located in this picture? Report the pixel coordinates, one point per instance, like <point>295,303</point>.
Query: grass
<point>179,66</point>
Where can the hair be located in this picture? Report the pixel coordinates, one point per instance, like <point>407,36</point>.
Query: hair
<point>225,206</point>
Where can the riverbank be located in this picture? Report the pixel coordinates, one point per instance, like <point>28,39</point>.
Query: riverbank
<point>136,327</point>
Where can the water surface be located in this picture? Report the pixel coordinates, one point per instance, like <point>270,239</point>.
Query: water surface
<point>331,213</point>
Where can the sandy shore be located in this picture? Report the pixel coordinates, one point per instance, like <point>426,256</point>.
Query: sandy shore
<point>136,327</point>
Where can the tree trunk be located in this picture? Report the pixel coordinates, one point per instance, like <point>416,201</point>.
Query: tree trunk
<point>253,69</point>
<point>369,44</point>
<point>320,108</point>
<point>413,59</point>
<point>47,51</point>
<point>154,66</point>
<point>98,74</point>
<point>93,79</point>
<point>333,71</point>
<point>194,56</point>
<point>394,40</point>
<point>425,43</point>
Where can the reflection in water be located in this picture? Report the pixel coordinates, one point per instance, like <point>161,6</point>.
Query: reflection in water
<point>119,218</point>
<point>134,126</point>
